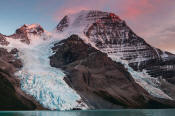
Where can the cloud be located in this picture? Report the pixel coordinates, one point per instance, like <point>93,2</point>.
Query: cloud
<point>170,29</point>
<point>167,38</point>
<point>162,37</point>
<point>128,9</point>
<point>73,6</point>
<point>134,8</point>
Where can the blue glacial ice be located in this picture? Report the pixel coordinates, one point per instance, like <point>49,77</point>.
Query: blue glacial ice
<point>43,82</point>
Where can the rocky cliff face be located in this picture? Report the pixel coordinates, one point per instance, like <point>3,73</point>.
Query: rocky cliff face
<point>103,83</point>
<point>109,34</point>
<point>3,40</point>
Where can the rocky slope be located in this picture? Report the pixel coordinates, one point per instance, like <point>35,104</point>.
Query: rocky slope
<point>109,34</point>
<point>3,40</point>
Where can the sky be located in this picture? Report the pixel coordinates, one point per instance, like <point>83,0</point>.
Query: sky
<point>153,20</point>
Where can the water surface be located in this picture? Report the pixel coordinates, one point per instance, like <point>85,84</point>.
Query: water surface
<point>160,112</point>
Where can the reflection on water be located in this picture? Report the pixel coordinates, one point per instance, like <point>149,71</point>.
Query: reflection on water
<point>160,112</point>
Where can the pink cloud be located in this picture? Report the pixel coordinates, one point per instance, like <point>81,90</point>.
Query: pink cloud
<point>134,8</point>
<point>128,9</point>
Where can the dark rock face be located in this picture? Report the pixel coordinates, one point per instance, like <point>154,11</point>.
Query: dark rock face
<point>3,40</point>
<point>63,24</point>
<point>11,96</point>
<point>23,32</point>
<point>102,82</point>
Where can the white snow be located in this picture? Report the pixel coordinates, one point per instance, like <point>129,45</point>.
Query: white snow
<point>78,23</point>
<point>81,21</point>
<point>39,79</point>
<point>30,26</point>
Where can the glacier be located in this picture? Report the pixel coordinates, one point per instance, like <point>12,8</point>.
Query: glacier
<point>38,79</point>
<point>150,84</point>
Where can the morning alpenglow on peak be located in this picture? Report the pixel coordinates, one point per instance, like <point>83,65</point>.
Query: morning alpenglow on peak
<point>87,58</point>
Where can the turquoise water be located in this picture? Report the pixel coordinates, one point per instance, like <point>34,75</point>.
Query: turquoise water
<point>168,112</point>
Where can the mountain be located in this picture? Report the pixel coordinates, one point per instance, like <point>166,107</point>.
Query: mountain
<point>25,32</point>
<point>103,83</point>
<point>28,34</point>
<point>92,60</point>
<point>109,34</point>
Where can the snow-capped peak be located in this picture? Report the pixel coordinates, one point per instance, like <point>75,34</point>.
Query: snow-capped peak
<point>29,33</point>
<point>32,28</point>
<point>81,21</point>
